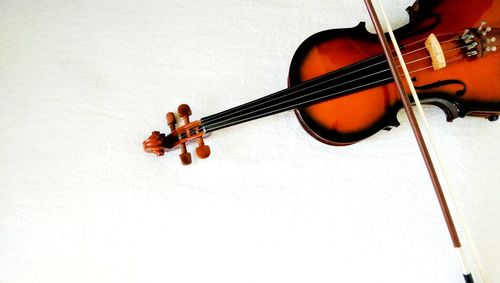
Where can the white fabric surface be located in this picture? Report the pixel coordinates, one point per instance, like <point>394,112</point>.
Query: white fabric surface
<point>82,83</point>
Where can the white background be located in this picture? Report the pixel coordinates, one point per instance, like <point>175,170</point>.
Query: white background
<point>83,83</point>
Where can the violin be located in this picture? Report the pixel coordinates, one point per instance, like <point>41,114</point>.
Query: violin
<point>344,85</point>
<point>341,88</point>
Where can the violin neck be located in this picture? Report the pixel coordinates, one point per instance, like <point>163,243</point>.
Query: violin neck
<point>249,111</point>
<point>362,75</point>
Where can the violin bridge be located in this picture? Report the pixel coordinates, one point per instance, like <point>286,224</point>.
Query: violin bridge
<point>436,52</point>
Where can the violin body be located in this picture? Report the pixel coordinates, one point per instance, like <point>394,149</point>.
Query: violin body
<point>468,87</point>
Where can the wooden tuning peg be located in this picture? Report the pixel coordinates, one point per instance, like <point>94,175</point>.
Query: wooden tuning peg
<point>185,156</point>
<point>203,150</point>
<point>184,111</point>
<point>171,121</point>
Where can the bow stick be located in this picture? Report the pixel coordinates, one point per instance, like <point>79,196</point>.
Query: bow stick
<point>418,134</point>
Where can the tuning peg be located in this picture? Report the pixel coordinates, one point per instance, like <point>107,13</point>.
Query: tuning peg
<point>185,156</point>
<point>184,111</point>
<point>171,121</point>
<point>480,28</point>
<point>203,150</point>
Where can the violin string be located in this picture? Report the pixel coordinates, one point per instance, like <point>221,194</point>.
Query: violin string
<point>308,84</point>
<point>201,128</point>
<point>330,76</point>
<point>424,47</point>
<point>218,126</point>
<point>448,62</point>
<point>225,124</point>
<point>212,126</point>
<point>437,35</point>
<point>426,57</point>
<point>304,84</point>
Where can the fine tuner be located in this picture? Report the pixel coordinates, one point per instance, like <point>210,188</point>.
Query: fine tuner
<point>481,41</point>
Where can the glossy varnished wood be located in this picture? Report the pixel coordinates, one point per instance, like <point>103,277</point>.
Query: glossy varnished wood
<point>353,117</point>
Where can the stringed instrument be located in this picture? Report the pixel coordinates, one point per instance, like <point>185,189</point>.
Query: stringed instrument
<point>345,85</point>
<point>341,87</point>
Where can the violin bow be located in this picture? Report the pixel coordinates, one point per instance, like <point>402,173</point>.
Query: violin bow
<point>420,139</point>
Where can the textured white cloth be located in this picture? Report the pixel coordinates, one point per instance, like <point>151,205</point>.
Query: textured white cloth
<point>82,83</point>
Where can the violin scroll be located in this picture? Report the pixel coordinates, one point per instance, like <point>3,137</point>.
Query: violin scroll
<point>154,143</point>
<point>157,143</point>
